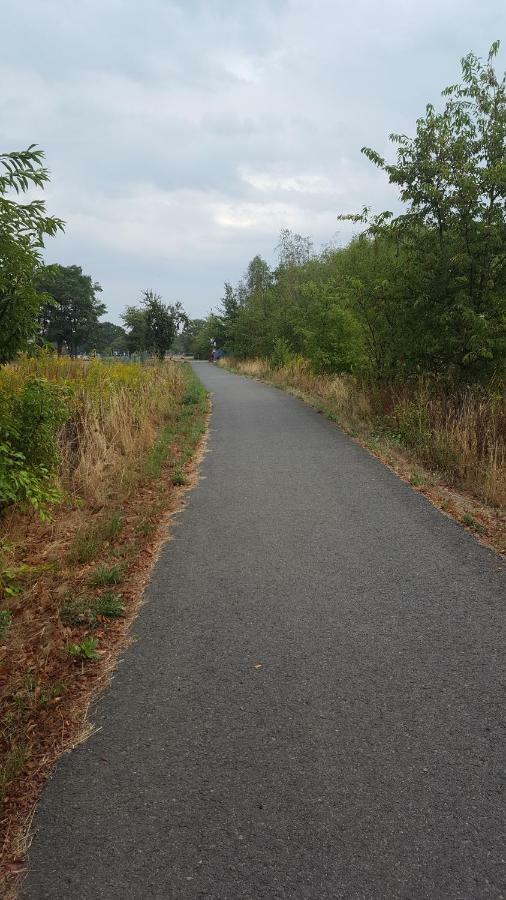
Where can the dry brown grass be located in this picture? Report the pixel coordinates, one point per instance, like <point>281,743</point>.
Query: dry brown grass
<point>117,411</point>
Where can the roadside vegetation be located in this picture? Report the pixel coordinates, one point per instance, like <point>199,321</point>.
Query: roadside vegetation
<point>94,455</point>
<point>401,335</point>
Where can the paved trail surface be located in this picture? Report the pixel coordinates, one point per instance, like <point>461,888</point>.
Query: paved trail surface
<point>312,707</point>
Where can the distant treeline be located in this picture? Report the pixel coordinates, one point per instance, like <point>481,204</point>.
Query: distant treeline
<point>423,292</point>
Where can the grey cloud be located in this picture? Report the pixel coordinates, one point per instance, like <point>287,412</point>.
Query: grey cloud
<point>182,136</point>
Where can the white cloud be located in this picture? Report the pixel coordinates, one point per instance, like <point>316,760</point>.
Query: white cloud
<point>299,184</point>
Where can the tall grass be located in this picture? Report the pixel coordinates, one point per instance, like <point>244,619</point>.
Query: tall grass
<point>459,433</point>
<point>114,414</point>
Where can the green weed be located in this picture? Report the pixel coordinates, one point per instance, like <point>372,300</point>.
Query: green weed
<point>178,477</point>
<point>109,605</point>
<point>471,522</point>
<point>84,610</point>
<point>87,649</point>
<point>14,762</point>
<point>145,528</point>
<point>5,623</point>
<point>105,576</point>
<point>78,612</point>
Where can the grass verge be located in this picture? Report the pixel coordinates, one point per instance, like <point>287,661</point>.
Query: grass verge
<point>70,590</point>
<point>451,449</point>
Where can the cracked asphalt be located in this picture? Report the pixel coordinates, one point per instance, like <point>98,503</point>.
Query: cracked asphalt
<point>313,704</point>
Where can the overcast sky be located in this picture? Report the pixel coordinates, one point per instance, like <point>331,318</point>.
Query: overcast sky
<point>182,136</point>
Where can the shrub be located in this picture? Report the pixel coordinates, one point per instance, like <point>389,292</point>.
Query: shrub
<point>87,649</point>
<point>32,412</point>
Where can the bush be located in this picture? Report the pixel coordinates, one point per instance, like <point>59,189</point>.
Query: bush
<point>31,415</point>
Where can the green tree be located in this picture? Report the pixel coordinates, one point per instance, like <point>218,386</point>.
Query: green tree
<point>162,322</point>
<point>185,341</point>
<point>70,318</point>
<point>452,176</point>
<point>109,338</point>
<point>135,325</point>
<point>155,325</point>
<point>211,334</point>
<point>23,229</point>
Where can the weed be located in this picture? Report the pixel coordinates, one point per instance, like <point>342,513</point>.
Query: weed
<point>193,395</point>
<point>416,479</point>
<point>84,610</point>
<point>14,762</point>
<point>78,612</point>
<point>178,477</point>
<point>87,649</point>
<point>471,522</point>
<point>5,623</point>
<point>87,544</point>
<point>105,576</point>
<point>145,528</point>
<point>109,605</point>
<point>51,693</point>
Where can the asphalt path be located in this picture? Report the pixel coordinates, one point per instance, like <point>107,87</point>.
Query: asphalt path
<point>312,707</point>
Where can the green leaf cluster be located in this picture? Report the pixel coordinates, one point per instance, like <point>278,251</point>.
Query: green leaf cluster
<point>31,416</point>
<point>23,230</point>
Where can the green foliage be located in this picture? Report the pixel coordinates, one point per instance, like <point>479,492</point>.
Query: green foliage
<point>471,522</point>
<point>155,326</point>
<point>78,611</point>
<point>185,342</point>
<point>109,605</point>
<point>452,175</point>
<point>31,415</point>
<point>281,353</point>
<point>108,339</point>
<point>70,317</point>
<point>136,329</point>
<point>86,649</point>
<point>105,576</point>
<point>23,229</point>
<point>85,611</point>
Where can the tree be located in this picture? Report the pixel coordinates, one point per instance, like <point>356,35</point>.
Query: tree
<point>185,341</point>
<point>452,176</point>
<point>23,228</point>
<point>135,324</point>
<point>162,322</point>
<point>294,249</point>
<point>155,326</point>
<point>70,318</point>
<point>210,335</point>
<point>108,338</point>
